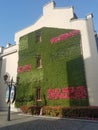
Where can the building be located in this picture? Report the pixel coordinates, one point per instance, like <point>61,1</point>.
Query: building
<point>63,19</point>
<point>8,65</point>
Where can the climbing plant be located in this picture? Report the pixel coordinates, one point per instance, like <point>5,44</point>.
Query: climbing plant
<point>60,66</point>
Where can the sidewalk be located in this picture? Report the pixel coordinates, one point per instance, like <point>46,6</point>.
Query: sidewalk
<point>15,118</point>
<point>20,121</point>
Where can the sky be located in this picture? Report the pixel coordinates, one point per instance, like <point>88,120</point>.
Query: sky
<point>16,15</point>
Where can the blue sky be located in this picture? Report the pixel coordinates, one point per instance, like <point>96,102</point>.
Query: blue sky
<point>18,14</point>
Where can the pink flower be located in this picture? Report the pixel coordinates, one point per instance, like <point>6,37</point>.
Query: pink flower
<point>78,92</point>
<point>24,68</point>
<point>64,36</point>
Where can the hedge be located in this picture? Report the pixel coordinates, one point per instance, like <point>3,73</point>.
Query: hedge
<point>72,112</point>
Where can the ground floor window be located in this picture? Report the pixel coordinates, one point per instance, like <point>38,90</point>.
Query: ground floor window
<point>38,93</point>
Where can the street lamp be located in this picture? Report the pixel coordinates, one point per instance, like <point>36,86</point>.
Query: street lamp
<point>10,93</point>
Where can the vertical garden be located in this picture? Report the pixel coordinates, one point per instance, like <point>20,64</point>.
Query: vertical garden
<point>51,69</point>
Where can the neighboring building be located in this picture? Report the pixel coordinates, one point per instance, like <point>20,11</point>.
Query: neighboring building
<point>56,26</point>
<point>8,65</point>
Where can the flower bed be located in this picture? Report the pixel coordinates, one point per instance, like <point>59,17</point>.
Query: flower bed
<point>89,113</point>
<point>81,112</point>
<point>34,110</point>
<point>24,109</point>
<point>72,112</point>
<point>54,111</point>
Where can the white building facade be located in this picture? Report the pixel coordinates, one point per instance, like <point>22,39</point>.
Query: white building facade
<point>63,18</point>
<point>8,65</point>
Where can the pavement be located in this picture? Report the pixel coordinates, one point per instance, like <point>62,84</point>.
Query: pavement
<point>21,121</point>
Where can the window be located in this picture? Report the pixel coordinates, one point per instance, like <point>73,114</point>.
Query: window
<point>38,95</point>
<point>38,37</point>
<point>39,62</point>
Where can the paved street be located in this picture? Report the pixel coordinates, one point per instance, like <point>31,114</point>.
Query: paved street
<point>24,122</point>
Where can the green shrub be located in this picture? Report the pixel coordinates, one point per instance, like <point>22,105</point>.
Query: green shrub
<point>54,111</point>
<point>71,112</point>
<point>81,112</point>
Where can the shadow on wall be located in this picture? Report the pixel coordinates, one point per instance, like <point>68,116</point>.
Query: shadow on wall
<point>3,105</point>
<point>0,67</point>
<point>77,82</point>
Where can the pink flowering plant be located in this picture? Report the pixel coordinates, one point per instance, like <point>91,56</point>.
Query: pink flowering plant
<point>24,68</point>
<point>78,92</point>
<point>64,36</point>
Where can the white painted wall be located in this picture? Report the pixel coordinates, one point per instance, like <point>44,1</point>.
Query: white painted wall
<point>52,17</point>
<point>8,66</point>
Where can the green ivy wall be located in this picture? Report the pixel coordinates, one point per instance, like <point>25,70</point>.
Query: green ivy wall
<point>62,66</point>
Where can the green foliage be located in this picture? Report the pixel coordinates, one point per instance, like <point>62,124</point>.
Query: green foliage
<point>81,112</point>
<point>62,66</point>
<point>55,111</point>
<point>71,112</point>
